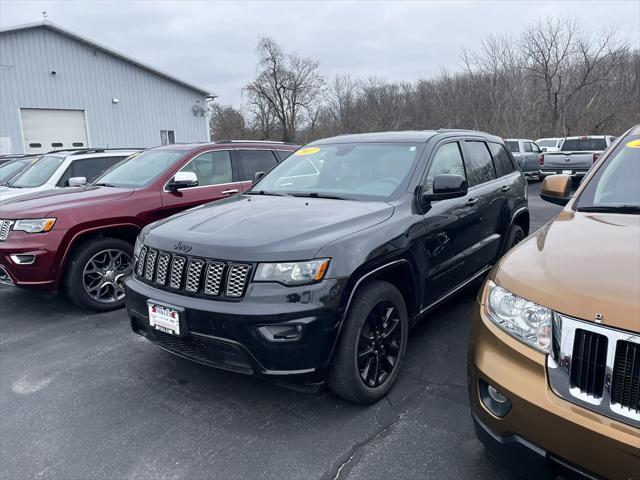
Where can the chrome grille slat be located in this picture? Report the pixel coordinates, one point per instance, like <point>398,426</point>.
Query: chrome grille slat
<point>5,226</point>
<point>177,269</point>
<point>141,260</point>
<point>213,278</point>
<point>150,264</point>
<point>236,280</point>
<point>194,271</point>
<point>590,366</point>
<point>163,267</point>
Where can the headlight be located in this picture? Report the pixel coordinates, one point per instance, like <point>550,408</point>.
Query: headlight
<point>525,320</point>
<point>34,225</point>
<point>292,273</point>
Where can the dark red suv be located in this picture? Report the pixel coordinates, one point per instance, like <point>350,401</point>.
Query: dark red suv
<point>82,238</point>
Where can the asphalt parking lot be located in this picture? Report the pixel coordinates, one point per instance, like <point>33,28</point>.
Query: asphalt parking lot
<point>82,397</point>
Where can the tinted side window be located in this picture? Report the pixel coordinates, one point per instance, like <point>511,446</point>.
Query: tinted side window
<point>282,154</point>
<point>535,147</point>
<point>252,161</point>
<point>211,168</point>
<point>501,160</point>
<point>90,168</point>
<point>447,160</point>
<point>527,146</point>
<point>479,164</point>
<point>512,145</point>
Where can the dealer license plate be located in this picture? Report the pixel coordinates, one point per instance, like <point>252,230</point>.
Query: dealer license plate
<point>163,318</point>
<point>566,172</point>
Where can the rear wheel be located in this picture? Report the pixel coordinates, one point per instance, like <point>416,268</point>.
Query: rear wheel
<point>372,346</point>
<point>95,274</point>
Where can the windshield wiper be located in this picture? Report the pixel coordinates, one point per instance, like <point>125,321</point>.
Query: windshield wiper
<point>105,185</point>
<point>611,209</point>
<point>322,195</point>
<point>265,192</point>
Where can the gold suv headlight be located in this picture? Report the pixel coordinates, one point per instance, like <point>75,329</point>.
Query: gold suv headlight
<point>527,321</point>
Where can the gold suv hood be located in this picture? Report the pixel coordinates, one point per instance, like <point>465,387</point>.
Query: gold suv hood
<point>581,264</point>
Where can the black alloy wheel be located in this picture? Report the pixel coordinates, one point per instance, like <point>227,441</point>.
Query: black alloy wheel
<point>379,344</point>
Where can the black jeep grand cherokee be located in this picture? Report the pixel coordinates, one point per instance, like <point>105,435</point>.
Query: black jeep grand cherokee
<point>321,268</point>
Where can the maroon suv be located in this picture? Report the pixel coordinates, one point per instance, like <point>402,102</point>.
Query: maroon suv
<point>82,238</point>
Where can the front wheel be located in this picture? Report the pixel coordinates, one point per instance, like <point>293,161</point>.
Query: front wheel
<point>95,274</point>
<point>373,344</point>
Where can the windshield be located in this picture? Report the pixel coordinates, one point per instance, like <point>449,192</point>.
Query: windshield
<point>547,143</point>
<point>512,146</point>
<point>357,171</point>
<point>38,173</point>
<point>139,170</point>
<point>616,184</point>
<point>8,170</point>
<point>584,144</point>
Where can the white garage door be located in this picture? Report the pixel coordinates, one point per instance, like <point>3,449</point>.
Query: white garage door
<point>45,129</point>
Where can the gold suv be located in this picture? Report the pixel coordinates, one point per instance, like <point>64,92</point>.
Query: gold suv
<point>554,350</point>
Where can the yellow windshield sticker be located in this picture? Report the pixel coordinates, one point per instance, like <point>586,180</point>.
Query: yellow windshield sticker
<point>307,151</point>
<point>633,144</point>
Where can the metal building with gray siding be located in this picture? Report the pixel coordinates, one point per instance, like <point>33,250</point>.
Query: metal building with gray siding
<point>61,90</point>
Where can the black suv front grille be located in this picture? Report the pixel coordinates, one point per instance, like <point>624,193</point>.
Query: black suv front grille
<point>625,381</point>
<point>588,363</point>
<point>192,275</point>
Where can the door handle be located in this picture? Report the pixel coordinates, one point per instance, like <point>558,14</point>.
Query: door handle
<point>505,188</point>
<point>230,192</point>
<point>472,201</point>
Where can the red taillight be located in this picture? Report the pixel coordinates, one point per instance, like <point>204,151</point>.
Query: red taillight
<point>541,158</point>
<point>596,156</point>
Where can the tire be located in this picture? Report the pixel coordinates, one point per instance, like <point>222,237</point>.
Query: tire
<point>345,378</point>
<point>516,235</point>
<point>106,260</point>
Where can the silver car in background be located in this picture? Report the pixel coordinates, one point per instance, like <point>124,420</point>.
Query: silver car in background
<point>527,154</point>
<point>550,144</point>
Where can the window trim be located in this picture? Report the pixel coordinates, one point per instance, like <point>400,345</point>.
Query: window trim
<point>173,174</point>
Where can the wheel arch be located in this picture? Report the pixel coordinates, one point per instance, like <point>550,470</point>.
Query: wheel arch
<point>124,231</point>
<point>400,272</point>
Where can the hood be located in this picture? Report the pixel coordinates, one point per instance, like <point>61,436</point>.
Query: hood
<point>265,228</point>
<point>7,193</point>
<point>46,202</point>
<point>581,264</point>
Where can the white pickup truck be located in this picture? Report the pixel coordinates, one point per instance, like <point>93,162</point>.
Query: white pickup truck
<point>575,157</point>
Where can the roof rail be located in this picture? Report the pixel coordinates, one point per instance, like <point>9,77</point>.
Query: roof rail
<point>82,151</point>
<point>255,141</point>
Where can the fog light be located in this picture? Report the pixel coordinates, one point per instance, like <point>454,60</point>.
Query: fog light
<point>23,259</point>
<point>494,400</point>
<point>289,332</point>
<point>496,395</point>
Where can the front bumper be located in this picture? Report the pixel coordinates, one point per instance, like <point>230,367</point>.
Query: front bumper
<point>44,272</point>
<point>224,334</point>
<point>542,435</point>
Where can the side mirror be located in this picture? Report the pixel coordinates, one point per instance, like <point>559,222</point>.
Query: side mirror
<point>77,181</point>
<point>543,149</point>
<point>447,186</point>
<point>556,189</point>
<point>257,176</point>
<point>183,180</point>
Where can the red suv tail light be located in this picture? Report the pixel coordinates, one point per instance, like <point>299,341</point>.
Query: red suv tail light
<point>541,158</point>
<point>596,156</point>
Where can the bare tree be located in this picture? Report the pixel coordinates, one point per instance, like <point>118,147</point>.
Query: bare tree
<point>289,84</point>
<point>226,123</point>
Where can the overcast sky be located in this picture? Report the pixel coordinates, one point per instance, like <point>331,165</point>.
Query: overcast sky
<point>213,44</point>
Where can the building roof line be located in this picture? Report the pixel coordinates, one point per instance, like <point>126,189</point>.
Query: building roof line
<point>64,31</point>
